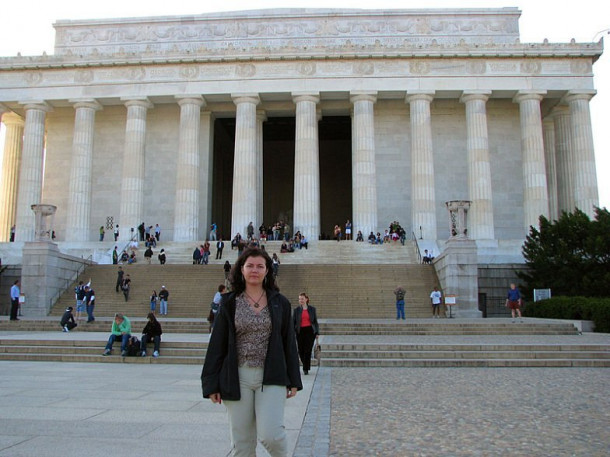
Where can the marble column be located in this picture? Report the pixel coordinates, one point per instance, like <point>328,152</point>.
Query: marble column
<point>30,174</point>
<point>245,173</point>
<point>535,196</point>
<point>564,158</point>
<point>586,196</point>
<point>186,215</point>
<point>364,171</point>
<point>78,224</point>
<point>550,161</point>
<point>422,165</point>
<point>307,167</point>
<point>13,141</point>
<point>479,170</point>
<point>261,117</point>
<point>132,185</point>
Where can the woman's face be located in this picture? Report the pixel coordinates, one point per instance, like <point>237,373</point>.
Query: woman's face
<point>302,300</point>
<point>254,270</point>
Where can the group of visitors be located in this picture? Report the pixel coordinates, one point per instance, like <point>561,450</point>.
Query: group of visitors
<point>201,254</point>
<point>121,330</point>
<point>148,234</point>
<point>123,282</point>
<point>161,299</point>
<point>85,301</point>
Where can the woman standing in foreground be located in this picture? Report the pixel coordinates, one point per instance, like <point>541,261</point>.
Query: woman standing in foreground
<point>252,362</point>
<point>306,327</point>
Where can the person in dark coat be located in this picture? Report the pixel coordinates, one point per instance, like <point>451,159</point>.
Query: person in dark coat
<point>152,331</point>
<point>67,320</point>
<point>305,321</point>
<point>251,362</point>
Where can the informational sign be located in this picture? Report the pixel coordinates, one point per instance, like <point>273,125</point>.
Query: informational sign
<point>450,300</point>
<point>542,294</point>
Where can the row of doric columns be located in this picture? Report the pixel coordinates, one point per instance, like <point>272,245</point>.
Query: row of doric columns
<point>558,164</point>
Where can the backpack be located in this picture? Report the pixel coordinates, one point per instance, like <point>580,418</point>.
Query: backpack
<point>133,347</point>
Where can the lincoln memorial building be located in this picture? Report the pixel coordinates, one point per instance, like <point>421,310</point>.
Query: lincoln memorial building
<point>310,116</point>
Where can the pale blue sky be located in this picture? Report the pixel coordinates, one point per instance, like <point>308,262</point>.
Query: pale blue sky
<point>26,27</point>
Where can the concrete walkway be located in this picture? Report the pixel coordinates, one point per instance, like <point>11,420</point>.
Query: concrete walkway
<point>77,409</point>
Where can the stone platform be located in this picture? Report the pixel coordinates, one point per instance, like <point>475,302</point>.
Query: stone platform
<point>52,409</point>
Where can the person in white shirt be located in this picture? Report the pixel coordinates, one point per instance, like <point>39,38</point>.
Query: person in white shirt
<point>15,292</point>
<point>435,300</point>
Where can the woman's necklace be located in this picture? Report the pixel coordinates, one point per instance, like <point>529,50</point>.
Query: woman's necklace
<point>255,303</point>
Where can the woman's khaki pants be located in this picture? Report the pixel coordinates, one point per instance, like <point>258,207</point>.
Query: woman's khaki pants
<point>259,413</point>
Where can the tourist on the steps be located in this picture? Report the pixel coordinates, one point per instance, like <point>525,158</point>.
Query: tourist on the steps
<point>163,296</point>
<point>121,330</point>
<point>154,298</point>
<point>514,301</point>
<point>275,264</point>
<point>305,321</point>
<point>162,257</point>
<point>126,286</point>
<point>400,302</point>
<point>89,302</point>
<point>252,363</point>
<point>67,322</point>
<point>152,331</point>
<point>15,294</point>
<point>119,279</point>
<point>435,301</point>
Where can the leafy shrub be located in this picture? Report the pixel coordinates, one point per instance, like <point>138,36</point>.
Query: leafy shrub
<point>574,308</point>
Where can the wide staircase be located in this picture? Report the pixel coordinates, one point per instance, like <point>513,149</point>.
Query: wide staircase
<point>352,286</point>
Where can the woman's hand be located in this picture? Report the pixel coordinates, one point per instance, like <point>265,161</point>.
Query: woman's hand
<point>216,398</point>
<point>292,392</point>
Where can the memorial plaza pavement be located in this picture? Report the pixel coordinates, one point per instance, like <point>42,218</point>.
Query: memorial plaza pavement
<point>124,409</point>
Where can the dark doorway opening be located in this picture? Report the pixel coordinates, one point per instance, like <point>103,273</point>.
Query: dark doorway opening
<point>278,172</point>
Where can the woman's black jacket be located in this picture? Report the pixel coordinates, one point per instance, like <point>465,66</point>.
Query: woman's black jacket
<point>152,329</point>
<point>313,317</point>
<point>281,368</point>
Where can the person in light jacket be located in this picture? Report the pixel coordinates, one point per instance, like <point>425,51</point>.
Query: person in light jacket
<point>252,363</point>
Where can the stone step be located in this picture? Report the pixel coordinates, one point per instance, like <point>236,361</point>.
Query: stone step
<point>466,363</point>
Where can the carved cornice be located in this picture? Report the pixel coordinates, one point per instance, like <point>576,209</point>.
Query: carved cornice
<point>292,53</point>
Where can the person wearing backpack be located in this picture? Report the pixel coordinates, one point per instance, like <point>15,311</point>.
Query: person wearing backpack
<point>215,305</point>
<point>400,302</point>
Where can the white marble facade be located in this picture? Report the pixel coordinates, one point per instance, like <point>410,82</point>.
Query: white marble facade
<point>445,105</point>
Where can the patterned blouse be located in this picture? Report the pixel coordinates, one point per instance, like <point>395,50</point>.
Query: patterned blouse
<point>252,332</point>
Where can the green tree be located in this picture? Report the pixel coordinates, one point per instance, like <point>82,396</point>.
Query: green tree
<point>571,255</point>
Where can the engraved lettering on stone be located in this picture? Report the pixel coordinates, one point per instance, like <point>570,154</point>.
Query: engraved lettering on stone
<point>307,68</point>
<point>135,74</point>
<point>245,70</point>
<point>189,72</point>
<point>364,68</point>
<point>531,66</point>
<point>503,66</point>
<point>419,67</point>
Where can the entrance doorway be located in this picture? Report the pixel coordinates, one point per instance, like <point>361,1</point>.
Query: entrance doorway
<point>278,172</point>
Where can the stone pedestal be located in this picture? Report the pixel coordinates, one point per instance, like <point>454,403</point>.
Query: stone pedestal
<point>44,215</point>
<point>40,277</point>
<point>458,273</point>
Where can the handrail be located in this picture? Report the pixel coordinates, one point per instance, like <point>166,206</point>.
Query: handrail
<point>60,290</point>
<point>417,251</point>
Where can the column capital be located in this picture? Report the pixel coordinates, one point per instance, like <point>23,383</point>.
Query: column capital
<point>470,95</point>
<point>415,95</point>
<point>143,102</point>
<point>246,98</point>
<point>524,95</point>
<point>306,97</point>
<point>190,100</point>
<point>3,109</point>
<point>359,96</point>
<point>261,115</point>
<point>579,95</point>
<point>559,110</point>
<point>39,105</point>
<point>12,118</point>
<point>90,103</point>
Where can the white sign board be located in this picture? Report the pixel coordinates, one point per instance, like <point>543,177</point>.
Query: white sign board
<point>542,294</point>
